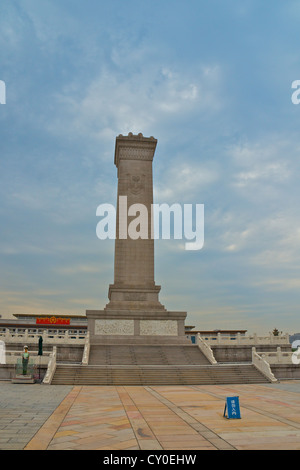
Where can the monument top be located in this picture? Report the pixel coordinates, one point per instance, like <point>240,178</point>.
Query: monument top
<point>144,147</point>
<point>132,136</point>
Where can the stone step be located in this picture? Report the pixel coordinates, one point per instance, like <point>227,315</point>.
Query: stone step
<point>146,355</point>
<point>114,375</point>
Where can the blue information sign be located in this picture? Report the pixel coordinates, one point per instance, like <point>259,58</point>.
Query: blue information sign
<point>233,408</point>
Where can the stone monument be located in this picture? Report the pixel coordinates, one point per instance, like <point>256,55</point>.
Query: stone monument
<point>134,314</point>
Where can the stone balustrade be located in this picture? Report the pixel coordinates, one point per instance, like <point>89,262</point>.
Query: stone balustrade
<point>13,356</point>
<point>277,357</point>
<point>206,349</point>
<point>26,336</point>
<point>263,366</point>
<point>86,351</point>
<point>251,340</point>
<point>51,367</point>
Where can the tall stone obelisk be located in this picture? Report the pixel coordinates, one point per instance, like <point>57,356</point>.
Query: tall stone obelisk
<point>134,313</point>
<point>134,284</point>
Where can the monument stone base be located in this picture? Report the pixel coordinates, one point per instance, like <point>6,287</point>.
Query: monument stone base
<point>136,327</point>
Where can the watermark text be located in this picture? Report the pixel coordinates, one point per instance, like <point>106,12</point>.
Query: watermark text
<point>2,92</point>
<point>163,222</point>
<point>296,95</point>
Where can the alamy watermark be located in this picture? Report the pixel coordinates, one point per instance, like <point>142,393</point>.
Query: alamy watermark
<point>164,222</point>
<point>2,92</point>
<point>296,95</point>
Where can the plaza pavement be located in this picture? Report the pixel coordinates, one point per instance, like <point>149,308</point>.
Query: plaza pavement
<point>57,417</point>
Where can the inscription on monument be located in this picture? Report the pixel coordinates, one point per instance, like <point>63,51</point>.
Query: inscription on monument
<point>134,296</point>
<point>114,327</point>
<point>159,327</point>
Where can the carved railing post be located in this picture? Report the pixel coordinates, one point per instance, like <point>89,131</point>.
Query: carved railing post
<point>86,351</point>
<point>51,367</point>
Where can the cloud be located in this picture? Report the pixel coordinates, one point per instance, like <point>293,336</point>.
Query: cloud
<point>264,166</point>
<point>280,284</point>
<point>80,269</point>
<point>144,100</point>
<point>184,181</point>
<point>261,170</point>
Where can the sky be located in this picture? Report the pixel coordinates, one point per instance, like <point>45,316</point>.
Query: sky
<point>212,82</point>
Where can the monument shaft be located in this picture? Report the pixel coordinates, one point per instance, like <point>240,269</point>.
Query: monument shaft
<point>134,259</point>
<point>134,314</point>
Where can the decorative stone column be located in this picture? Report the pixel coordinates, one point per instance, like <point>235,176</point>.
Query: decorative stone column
<point>134,312</point>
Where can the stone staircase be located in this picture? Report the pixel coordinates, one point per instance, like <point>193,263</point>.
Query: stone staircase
<point>68,374</point>
<point>125,364</point>
<point>146,355</point>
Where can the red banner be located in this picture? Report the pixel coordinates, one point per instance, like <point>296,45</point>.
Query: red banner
<point>52,321</point>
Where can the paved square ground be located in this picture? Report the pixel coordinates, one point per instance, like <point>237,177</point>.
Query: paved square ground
<point>40,417</point>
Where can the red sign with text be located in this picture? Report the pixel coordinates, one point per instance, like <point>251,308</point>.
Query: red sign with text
<point>52,321</point>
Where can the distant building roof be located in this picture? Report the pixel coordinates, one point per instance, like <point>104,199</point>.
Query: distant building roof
<point>39,315</point>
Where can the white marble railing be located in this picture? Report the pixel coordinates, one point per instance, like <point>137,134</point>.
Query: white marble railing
<point>263,366</point>
<point>277,357</point>
<point>13,356</point>
<point>86,351</point>
<point>205,349</point>
<point>68,337</point>
<point>51,367</point>
<point>251,340</point>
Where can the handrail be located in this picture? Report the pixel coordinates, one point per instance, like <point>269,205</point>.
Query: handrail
<point>51,367</point>
<point>67,337</point>
<point>86,351</point>
<point>222,339</point>
<point>32,353</point>
<point>277,357</point>
<point>205,349</point>
<point>263,366</point>
<point>12,356</point>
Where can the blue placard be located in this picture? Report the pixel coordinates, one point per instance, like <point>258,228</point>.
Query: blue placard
<point>232,406</point>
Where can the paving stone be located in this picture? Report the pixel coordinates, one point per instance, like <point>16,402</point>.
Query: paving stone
<point>151,418</point>
<point>24,409</point>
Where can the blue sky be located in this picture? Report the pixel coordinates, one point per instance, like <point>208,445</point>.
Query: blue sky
<point>212,82</point>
